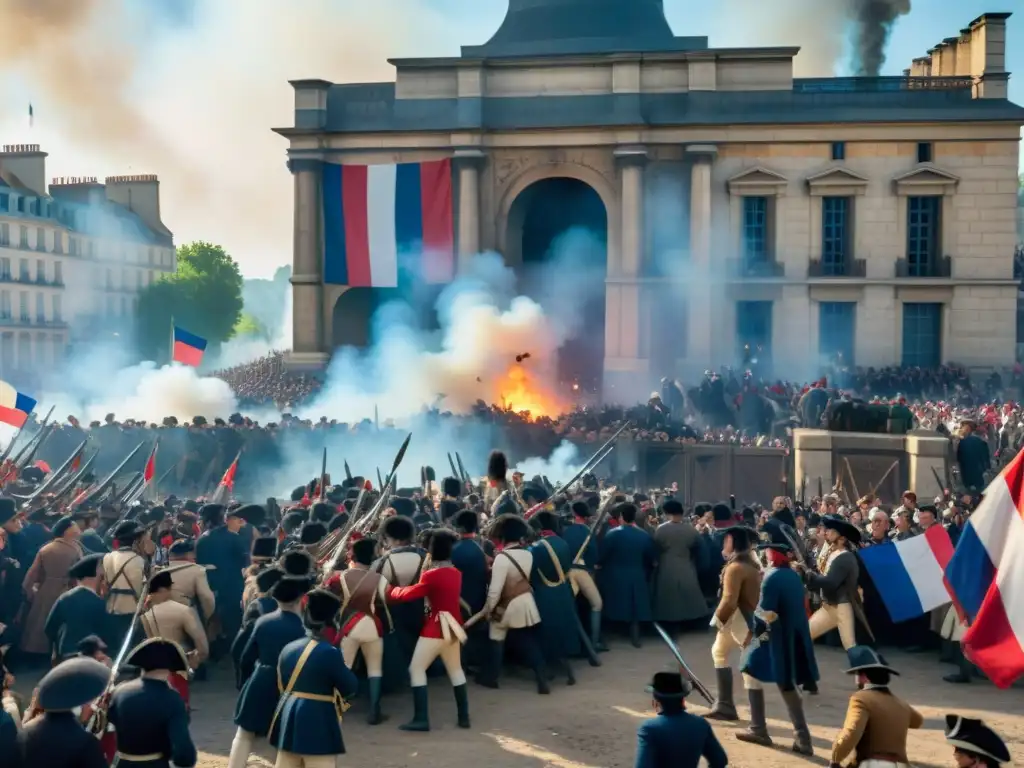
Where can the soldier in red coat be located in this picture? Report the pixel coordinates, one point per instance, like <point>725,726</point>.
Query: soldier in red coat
<point>442,634</point>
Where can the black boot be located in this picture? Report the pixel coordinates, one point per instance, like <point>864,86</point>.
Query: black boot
<point>965,670</point>
<point>802,734</point>
<point>570,678</point>
<point>420,713</point>
<point>757,731</point>
<point>634,633</point>
<point>534,657</point>
<point>947,655</point>
<point>595,632</point>
<point>374,717</point>
<point>491,670</point>
<point>725,706</point>
<point>462,704</point>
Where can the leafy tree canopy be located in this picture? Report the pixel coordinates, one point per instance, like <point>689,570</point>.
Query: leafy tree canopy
<point>250,327</point>
<point>204,296</point>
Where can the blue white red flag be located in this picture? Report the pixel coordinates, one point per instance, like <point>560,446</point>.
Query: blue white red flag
<point>909,573</point>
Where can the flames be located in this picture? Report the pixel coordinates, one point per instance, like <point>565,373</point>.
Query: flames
<point>521,392</point>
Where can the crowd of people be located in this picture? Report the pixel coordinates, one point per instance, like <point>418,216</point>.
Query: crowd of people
<point>351,595</point>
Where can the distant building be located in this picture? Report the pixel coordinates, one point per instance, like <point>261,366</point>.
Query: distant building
<point>72,258</point>
<point>871,216</point>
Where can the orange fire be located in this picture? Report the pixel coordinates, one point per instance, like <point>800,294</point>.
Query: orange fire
<point>521,393</point>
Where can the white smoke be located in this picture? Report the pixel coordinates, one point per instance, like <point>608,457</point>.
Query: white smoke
<point>560,467</point>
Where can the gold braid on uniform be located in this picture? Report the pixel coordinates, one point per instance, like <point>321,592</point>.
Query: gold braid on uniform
<point>823,558</point>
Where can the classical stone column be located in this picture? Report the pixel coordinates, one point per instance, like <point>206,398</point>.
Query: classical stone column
<point>307,265</point>
<point>700,328</point>
<point>625,363</point>
<point>468,162</point>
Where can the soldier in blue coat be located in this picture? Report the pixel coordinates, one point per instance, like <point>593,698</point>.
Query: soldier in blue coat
<point>80,611</point>
<point>781,650</point>
<point>222,547</point>
<point>675,738</point>
<point>260,605</point>
<point>56,739</point>
<point>471,556</point>
<point>148,715</point>
<point>306,727</point>
<point>553,594</point>
<point>625,562</point>
<point>581,574</point>
<point>255,706</point>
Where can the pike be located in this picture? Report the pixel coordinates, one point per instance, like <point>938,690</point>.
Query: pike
<point>697,684</point>
<point>603,451</point>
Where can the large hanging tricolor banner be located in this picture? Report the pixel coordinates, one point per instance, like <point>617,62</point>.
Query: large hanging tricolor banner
<point>380,217</point>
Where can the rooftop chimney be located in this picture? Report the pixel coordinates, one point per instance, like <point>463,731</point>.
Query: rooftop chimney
<point>27,163</point>
<point>988,56</point>
<point>77,189</point>
<point>141,195</point>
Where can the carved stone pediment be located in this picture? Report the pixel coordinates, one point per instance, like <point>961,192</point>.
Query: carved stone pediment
<point>926,180</point>
<point>836,181</point>
<point>757,181</point>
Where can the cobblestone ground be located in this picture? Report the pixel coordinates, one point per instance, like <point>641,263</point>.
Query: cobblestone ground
<point>593,725</point>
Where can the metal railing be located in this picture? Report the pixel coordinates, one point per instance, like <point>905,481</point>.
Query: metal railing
<point>845,268</point>
<point>880,84</point>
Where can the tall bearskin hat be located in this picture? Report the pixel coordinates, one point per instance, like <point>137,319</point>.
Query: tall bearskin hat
<point>546,521</point>
<point>403,507</point>
<point>429,474</point>
<point>442,541</point>
<point>466,521</point>
<point>322,512</point>
<point>312,533</point>
<point>289,589</point>
<point>497,466</point>
<point>297,562</point>
<point>399,528</point>
<point>267,578</point>
<point>451,486</point>
<point>509,528</point>
<point>364,550</point>
<point>321,607</point>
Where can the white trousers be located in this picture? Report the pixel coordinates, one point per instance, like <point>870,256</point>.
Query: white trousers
<point>291,760</point>
<point>583,582</point>
<point>428,649</point>
<point>830,617</point>
<point>729,638</point>
<point>364,639</point>
<point>241,747</point>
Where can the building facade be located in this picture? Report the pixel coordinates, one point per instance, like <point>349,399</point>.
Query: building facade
<point>73,257</point>
<point>870,216</point>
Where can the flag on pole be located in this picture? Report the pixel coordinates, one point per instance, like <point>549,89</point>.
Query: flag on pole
<point>150,471</point>
<point>227,483</point>
<point>188,348</point>
<point>15,407</point>
<point>986,578</point>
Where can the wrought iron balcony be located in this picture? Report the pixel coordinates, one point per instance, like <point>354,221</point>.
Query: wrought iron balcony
<point>880,84</point>
<point>846,268</point>
<point>940,267</point>
<point>747,268</point>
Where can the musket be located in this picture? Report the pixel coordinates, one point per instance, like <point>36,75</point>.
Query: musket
<point>602,515</point>
<point>26,454</point>
<point>102,487</point>
<point>322,493</point>
<point>348,472</point>
<point>698,686</point>
<point>451,464</point>
<point>380,480</point>
<point>10,445</point>
<point>462,472</point>
<point>55,476</point>
<point>591,463</point>
<point>76,477</point>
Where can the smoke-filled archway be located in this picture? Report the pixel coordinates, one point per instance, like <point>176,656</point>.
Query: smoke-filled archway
<point>352,320</point>
<point>557,241</point>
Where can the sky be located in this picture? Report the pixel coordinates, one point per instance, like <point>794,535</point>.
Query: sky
<point>189,89</point>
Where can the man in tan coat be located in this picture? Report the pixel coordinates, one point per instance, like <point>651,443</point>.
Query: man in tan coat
<point>877,721</point>
<point>189,585</point>
<point>125,571</point>
<point>737,601</point>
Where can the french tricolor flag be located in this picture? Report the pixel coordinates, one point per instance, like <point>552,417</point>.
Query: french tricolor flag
<point>909,573</point>
<point>377,216</point>
<point>986,577</point>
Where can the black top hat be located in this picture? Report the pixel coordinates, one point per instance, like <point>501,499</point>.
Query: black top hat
<point>977,738</point>
<point>268,577</point>
<point>253,514</point>
<point>847,530</point>
<point>297,562</point>
<point>8,509</point>
<point>312,533</point>
<point>403,507</point>
<point>863,657</point>
<point>669,686</point>
<point>264,548</point>
<point>773,536</point>
<point>288,589</point>
<point>509,528</point>
<point>158,653</point>
<point>85,568</point>
<point>399,528</point>
<point>466,521</point>
<point>321,607</point>
<point>76,682</point>
<point>90,645</point>
<point>61,526</point>
<point>181,547</point>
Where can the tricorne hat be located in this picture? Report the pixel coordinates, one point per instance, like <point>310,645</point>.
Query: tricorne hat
<point>158,653</point>
<point>847,530</point>
<point>977,738</point>
<point>669,686</point>
<point>863,657</point>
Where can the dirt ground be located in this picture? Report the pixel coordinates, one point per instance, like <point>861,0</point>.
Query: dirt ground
<point>593,725</point>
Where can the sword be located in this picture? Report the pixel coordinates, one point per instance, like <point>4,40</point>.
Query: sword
<point>697,684</point>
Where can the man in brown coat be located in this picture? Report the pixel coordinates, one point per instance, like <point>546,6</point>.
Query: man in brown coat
<point>738,598</point>
<point>46,580</point>
<point>877,721</point>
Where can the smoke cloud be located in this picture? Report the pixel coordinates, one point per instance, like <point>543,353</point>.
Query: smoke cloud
<point>873,20</point>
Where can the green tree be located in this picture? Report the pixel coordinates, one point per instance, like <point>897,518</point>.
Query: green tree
<point>204,296</point>
<point>250,327</point>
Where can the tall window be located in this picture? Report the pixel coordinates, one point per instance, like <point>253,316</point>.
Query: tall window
<point>923,230</point>
<point>23,270</point>
<point>835,237</point>
<point>23,305</point>
<point>40,239</point>
<point>836,326</point>
<point>5,304</point>
<point>754,327</point>
<point>58,309</point>
<point>40,271</point>
<point>23,236</point>
<point>5,268</point>
<point>755,231</point>
<point>40,308</point>
<point>58,273</point>
<point>5,234</point>
<point>922,335</point>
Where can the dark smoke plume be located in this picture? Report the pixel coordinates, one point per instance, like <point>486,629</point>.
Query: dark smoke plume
<point>873,20</point>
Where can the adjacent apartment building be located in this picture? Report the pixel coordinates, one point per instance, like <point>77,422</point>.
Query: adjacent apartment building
<point>73,257</point>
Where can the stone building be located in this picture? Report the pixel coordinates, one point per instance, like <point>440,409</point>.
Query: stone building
<point>741,205</point>
<point>72,257</point>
